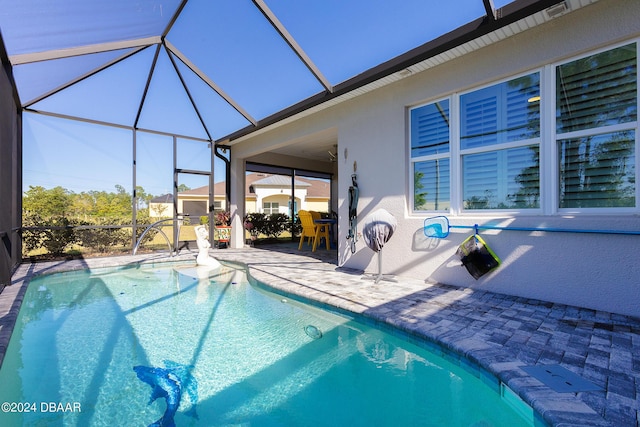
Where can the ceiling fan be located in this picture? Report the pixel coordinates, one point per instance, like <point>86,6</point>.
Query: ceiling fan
<point>333,155</point>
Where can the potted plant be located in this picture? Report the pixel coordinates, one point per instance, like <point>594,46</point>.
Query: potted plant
<point>222,230</point>
<point>253,231</point>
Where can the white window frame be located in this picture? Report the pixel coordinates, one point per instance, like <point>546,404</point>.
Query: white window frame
<point>431,157</point>
<point>547,143</point>
<point>629,126</point>
<point>270,208</point>
<point>493,148</point>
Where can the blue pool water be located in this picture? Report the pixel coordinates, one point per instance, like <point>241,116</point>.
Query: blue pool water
<point>171,343</point>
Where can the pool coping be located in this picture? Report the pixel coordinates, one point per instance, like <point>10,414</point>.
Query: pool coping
<point>489,332</point>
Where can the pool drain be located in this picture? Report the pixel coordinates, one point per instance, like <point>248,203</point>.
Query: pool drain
<point>560,379</point>
<point>313,332</point>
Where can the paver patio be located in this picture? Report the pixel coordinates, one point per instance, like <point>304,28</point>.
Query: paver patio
<point>482,331</point>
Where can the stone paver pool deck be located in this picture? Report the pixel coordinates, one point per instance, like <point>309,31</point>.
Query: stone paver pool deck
<point>493,332</point>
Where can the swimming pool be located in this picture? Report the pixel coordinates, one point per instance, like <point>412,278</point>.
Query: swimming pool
<point>132,346</point>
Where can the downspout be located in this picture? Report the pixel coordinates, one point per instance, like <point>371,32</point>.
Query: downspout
<point>227,171</point>
<point>293,204</point>
<point>227,186</point>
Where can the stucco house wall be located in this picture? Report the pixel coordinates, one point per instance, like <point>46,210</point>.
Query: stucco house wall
<point>317,205</point>
<point>596,271</point>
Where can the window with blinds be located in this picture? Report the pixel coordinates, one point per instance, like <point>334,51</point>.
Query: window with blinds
<point>430,156</point>
<point>493,160</point>
<point>431,186</point>
<point>598,171</point>
<point>502,179</point>
<point>505,112</point>
<point>430,129</point>
<point>500,166</point>
<point>597,91</point>
<point>596,99</point>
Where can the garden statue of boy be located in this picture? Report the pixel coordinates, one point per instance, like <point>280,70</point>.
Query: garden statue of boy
<point>202,240</point>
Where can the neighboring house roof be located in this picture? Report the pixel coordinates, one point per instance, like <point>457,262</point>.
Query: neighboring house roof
<point>279,181</point>
<point>200,191</point>
<point>315,188</point>
<point>319,189</point>
<point>165,198</point>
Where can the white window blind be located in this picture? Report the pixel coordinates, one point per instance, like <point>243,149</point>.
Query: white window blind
<point>432,185</point>
<point>430,129</point>
<point>430,156</point>
<point>598,171</point>
<point>498,142</point>
<point>502,179</point>
<point>505,113</point>
<point>597,165</point>
<point>597,91</point>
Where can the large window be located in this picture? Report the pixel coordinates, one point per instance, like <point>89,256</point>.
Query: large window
<point>499,140</point>
<point>485,149</point>
<point>596,124</point>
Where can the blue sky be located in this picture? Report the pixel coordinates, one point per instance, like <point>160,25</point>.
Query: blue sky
<point>230,41</point>
<point>82,157</point>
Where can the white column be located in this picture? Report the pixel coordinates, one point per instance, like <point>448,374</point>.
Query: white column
<point>237,202</point>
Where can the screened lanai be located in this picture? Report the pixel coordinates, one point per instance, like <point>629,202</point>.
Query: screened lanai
<point>96,85</point>
<point>215,70</point>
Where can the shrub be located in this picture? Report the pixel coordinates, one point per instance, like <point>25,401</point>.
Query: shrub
<point>102,239</point>
<point>257,221</point>
<point>269,225</point>
<point>55,239</point>
<point>276,224</point>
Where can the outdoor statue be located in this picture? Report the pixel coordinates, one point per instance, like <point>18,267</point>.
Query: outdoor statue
<point>202,240</point>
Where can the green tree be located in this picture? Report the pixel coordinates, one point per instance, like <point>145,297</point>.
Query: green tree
<point>47,203</point>
<point>142,197</point>
<point>104,204</point>
<point>419,198</point>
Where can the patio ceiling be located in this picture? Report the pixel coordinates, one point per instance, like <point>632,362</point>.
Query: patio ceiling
<point>219,70</point>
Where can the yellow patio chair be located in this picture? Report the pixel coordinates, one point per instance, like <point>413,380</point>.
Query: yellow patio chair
<point>322,230</point>
<point>308,228</point>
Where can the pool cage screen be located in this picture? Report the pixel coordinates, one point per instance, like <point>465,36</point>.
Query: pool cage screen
<point>10,172</point>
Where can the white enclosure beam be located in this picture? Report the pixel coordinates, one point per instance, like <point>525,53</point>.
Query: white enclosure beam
<point>27,58</point>
<point>273,19</point>
<point>209,82</point>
